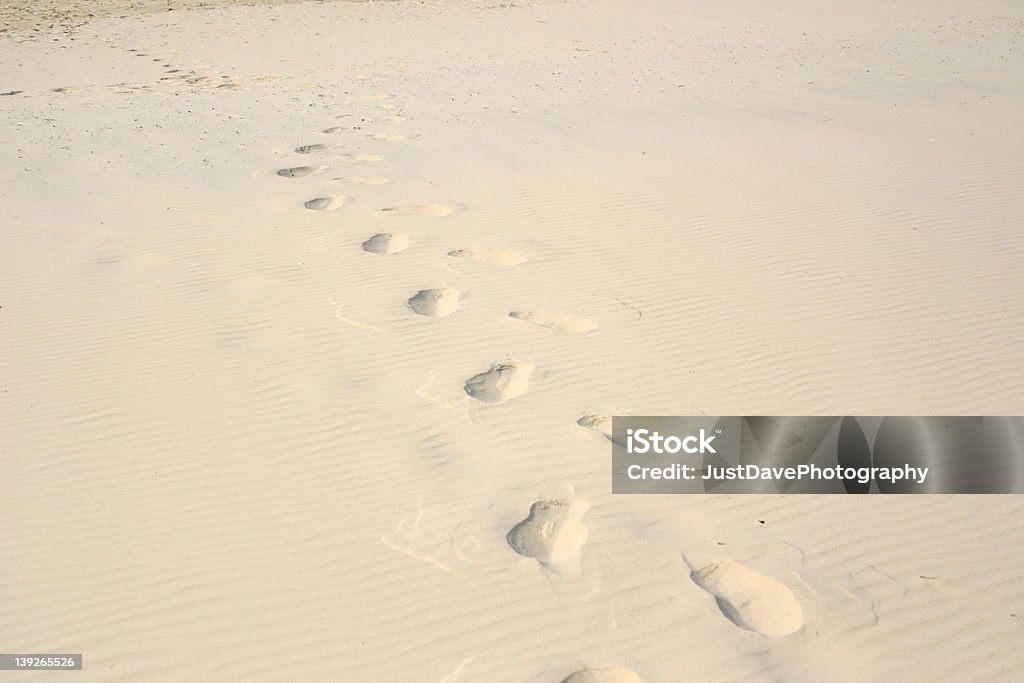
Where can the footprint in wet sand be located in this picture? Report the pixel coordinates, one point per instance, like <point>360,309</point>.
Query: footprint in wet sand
<point>422,209</point>
<point>326,203</point>
<point>555,320</point>
<point>309,149</point>
<point>388,137</point>
<point>504,381</point>
<point>387,243</point>
<point>367,179</point>
<point>299,171</point>
<point>553,533</point>
<point>611,674</point>
<point>436,303</point>
<point>492,257</point>
<point>749,599</point>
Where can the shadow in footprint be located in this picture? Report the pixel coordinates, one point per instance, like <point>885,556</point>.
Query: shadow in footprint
<point>298,171</point>
<point>387,243</point>
<point>503,382</point>
<point>435,303</point>
<point>309,149</point>
<point>326,203</point>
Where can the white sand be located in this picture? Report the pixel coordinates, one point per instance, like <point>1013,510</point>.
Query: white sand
<point>232,452</point>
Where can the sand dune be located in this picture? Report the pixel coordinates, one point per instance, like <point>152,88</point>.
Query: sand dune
<point>254,429</point>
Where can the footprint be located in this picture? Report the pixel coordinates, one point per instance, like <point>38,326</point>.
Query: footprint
<point>553,533</point>
<point>492,257</point>
<point>309,149</point>
<point>436,303</point>
<point>298,171</point>
<point>388,137</point>
<point>423,209</point>
<point>364,157</point>
<point>326,203</point>
<point>612,674</point>
<point>367,179</point>
<point>750,600</point>
<point>504,381</point>
<point>556,320</point>
<point>387,243</point>
<point>334,130</point>
<point>602,424</point>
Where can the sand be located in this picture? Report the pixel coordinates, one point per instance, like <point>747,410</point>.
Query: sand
<point>233,449</point>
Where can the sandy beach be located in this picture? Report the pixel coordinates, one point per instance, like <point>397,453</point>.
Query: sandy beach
<point>314,316</point>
